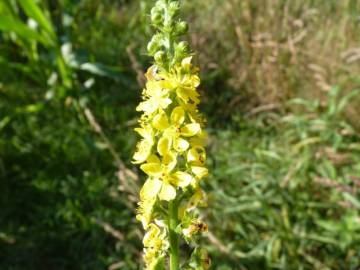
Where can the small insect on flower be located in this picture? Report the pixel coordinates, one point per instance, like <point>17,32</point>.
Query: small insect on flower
<point>196,226</point>
<point>171,151</point>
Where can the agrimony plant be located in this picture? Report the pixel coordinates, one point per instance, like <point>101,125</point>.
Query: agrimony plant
<point>171,151</point>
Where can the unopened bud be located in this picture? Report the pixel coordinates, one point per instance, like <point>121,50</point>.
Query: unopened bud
<point>182,28</point>
<point>154,44</point>
<point>156,15</point>
<point>174,9</point>
<point>156,18</point>
<point>181,50</point>
<point>152,47</point>
<point>160,57</point>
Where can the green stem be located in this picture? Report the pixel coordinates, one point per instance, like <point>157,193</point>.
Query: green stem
<point>174,240</point>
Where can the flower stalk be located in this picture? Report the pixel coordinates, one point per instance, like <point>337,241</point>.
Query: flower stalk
<point>173,237</point>
<point>171,150</point>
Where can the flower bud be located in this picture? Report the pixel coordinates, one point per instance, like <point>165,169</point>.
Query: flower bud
<point>181,49</point>
<point>154,45</point>
<point>160,57</point>
<point>181,28</point>
<point>174,9</point>
<point>169,24</point>
<point>156,16</point>
<point>160,4</point>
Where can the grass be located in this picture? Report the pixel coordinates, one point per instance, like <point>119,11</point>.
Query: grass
<point>284,189</point>
<point>285,194</point>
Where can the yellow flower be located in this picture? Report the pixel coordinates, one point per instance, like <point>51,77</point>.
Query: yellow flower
<point>163,181</point>
<point>174,130</point>
<point>143,148</point>
<point>196,158</point>
<point>153,237</point>
<point>156,97</point>
<point>196,199</point>
<point>145,210</point>
<point>153,243</point>
<point>186,81</point>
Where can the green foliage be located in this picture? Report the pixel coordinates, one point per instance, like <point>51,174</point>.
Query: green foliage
<point>284,193</point>
<point>287,194</point>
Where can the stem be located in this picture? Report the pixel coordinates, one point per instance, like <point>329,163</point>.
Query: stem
<point>174,240</point>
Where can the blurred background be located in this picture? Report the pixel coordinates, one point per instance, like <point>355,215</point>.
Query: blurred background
<point>281,91</point>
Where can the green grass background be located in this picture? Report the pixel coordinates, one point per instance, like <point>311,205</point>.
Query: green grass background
<point>280,87</point>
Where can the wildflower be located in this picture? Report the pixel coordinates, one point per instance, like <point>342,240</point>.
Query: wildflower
<point>154,243</point>
<point>144,146</point>
<point>171,150</point>
<point>174,130</point>
<point>163,182</point>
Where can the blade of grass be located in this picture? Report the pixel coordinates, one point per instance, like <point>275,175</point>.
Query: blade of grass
<point>33,11</point>
<point>9,24</point>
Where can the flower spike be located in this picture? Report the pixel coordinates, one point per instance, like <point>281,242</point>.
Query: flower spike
<point>171,150</point>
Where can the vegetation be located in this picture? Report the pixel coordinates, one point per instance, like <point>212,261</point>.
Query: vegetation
<point>280,81</point>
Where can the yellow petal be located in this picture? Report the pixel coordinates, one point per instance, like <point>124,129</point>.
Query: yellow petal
<point>186,93</point>
<point>146,133</point>
<point>182,179</point>
<point>164,145</point>
<point>161,121</point>
<point>153,159</point>
<point>151,74</point>
<point>152,233</point>
<point>195,80</point>
<point>143,150</point>
<point>181,92</point>
<point>192,155</point>
<point>196,155</point>
<point>186,62</point>
<point>169,160</point>
<point>165,102</point>
<point>151,87</point>
<point>199,140</point>
<point>190,130</point>
<point>144,221</point>
<point>181,145</point>
<point>177,116</point>
<point>147,106</point>
<point>195,199</point>
<point>200,172</point>
<point>152,169</point>
<point>150,189</point>
<point>168,192</point>
<point>145,210</point>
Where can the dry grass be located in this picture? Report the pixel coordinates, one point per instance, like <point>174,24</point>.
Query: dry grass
<point>273,50</point>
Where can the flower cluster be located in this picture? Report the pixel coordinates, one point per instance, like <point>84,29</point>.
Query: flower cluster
<point>171,150</point>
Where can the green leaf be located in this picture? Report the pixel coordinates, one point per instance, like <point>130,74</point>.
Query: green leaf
<point>33,11</point>
<point>101,70</point>
<point>4,122</point>
<point>9,24</point>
